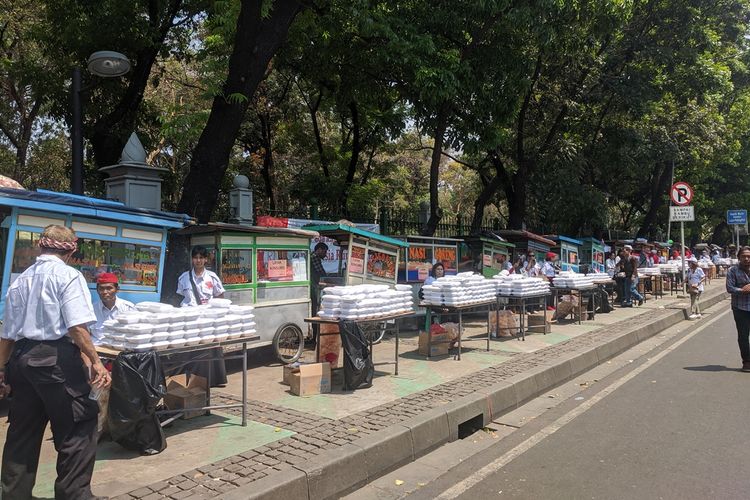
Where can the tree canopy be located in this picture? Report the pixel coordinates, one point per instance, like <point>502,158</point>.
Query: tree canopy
<point>560,117</point>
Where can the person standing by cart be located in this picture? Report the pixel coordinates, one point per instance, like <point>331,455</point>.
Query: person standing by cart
<point>317,272</point>
<point>109,305</point>
<point>630,268</point>
<point>47,315</point>
<point>197,287</point>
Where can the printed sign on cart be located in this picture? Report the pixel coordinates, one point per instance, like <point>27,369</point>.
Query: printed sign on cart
<point>682,214</point>
<point>681,194</point>
<point>737,217</point>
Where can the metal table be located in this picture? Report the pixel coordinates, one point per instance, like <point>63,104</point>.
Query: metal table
<point>316,320</point>
<point>165,354</point>
<point>444,309</point>
<point>582,293</point>
<point>523,302</point>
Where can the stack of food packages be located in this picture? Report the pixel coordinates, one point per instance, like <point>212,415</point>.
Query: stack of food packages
<point>460,290</point>
<point>649,271</point>
<point>517,285</point>
<point>158,326</point>
<point>673,267</point>
<point>728,262</point>
<point>365,301</point>
<point>573,280</point>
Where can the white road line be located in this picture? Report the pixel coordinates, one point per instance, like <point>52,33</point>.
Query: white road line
<point>461,487</point>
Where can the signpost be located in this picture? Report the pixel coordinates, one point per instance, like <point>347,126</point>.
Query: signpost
<point>681,195</point>
<point>737,218</point>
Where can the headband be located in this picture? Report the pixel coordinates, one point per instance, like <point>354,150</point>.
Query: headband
<point>46,242</point>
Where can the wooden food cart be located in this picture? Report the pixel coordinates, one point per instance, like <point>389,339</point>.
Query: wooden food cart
<point>526,241</point>
<point>484,254</point>
<point>569,250</point>
<point>268,268</point>
<point>113,237</point>
<point>592,254</point>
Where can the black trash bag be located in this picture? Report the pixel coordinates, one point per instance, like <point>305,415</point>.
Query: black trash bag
<point>602,299</point>
<point>137,387</point>
<point>358,367</point>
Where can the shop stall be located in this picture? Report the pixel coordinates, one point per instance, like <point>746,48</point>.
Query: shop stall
<point>268,268</point>
<point>569,250</point>
<point>115,238</point>
<point>416,261</point>
<point>486,254</point>
<point>366,257</point>
<point>592,254</point>
<point>526,241</point>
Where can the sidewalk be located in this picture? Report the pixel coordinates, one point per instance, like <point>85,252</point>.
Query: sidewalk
<point>325,445</point>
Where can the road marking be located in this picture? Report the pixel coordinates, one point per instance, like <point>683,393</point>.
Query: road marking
<point>459,488</point>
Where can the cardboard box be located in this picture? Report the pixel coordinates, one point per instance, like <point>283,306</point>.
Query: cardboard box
<point>329,345</point>
<point>288,369</point>
<point>178,397</point>
<point>440,344</point>
<point>310,379</point>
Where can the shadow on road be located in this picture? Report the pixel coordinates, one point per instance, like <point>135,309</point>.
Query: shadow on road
<point>712,368</point>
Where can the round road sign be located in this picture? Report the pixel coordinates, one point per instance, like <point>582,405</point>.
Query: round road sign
<point>681,193</point>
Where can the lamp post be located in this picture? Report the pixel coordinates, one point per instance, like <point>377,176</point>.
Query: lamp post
<point>106,64</point>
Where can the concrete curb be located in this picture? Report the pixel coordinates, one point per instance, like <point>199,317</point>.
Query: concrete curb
<point>337,472</point>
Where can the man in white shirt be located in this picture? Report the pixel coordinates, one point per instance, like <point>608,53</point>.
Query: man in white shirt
<point>47,314</point>
<point>109,305</point>
<point>199,280</point>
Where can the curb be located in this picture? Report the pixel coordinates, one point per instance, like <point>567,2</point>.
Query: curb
<point>340,471</point>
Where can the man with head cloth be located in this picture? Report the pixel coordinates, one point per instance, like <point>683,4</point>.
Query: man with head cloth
<point>47,314</point>
<point>109,305</point>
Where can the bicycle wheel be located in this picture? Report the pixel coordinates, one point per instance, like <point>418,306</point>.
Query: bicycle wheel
<point>288,343</point>
<point>374,331</point>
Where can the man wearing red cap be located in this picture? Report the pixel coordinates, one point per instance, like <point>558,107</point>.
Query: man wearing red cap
<point>109,305</point>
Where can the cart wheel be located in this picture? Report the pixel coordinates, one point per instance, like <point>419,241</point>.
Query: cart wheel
<point>374,331</point>
<point>288,343</point>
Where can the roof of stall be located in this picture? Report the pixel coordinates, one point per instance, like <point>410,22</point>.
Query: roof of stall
<point>426,239</point>
<point>333,230</point>
<point>490,238</point>
<point>591,239</point>
<point>212,227</point>
<point>66,203</point>
<point>556,238</point>
<point>520,235</point>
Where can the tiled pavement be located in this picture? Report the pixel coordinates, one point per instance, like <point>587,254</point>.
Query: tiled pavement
<point>314,434</point>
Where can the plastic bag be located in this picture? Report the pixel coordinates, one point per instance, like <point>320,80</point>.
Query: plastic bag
<point>137,387</point>
<point>358,366</point>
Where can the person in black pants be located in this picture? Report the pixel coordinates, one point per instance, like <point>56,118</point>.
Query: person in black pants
<point>738,286</point>
<point>47,313</point>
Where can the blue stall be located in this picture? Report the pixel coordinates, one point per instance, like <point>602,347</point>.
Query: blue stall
<point>112,237</point>
<point>569,250</point>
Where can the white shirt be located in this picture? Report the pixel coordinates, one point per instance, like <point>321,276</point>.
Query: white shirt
<point>46,300</point>
<point>103,314</point>
<point>696,277</point>
<point>548,269</point>
<point>209,286</point>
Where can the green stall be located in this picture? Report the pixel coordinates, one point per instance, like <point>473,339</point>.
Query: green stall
<point>486,255</point>
<point>592,254</point>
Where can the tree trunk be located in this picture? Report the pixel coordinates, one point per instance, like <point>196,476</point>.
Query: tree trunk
<point>110,133</point>
<point>318,139</point>
<point>267,170</point>
<point>256,41</point>
<point>353,160</point>
<point>516,197</point>
<point>658,190</point>
<point>437,155</point>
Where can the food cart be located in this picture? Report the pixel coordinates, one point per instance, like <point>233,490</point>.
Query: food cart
<point>526,241</point>
<point>569,250</point>
<point>592,254</point>
<point>484,254</point>
<point>366,257</point>
<point>113,237</point>
<point>268,268</point>
<point>416,261</point>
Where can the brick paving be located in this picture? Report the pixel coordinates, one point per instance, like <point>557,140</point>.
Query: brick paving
<point>315,433</point>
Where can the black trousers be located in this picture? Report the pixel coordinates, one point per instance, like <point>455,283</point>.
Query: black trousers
<point>742,320</point>
<point>49,384</point>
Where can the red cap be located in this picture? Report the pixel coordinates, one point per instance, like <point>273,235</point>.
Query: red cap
<point>551,255</point>
<point>107,278</point>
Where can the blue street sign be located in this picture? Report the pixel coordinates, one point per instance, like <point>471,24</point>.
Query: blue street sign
<point>738,217</point>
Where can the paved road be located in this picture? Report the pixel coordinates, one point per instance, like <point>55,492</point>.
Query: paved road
<point>677,426</point>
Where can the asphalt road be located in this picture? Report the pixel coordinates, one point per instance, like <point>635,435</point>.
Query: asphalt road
<point>676,426</point>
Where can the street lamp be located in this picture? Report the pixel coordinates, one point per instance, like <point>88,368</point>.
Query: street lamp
<point>106,64</point>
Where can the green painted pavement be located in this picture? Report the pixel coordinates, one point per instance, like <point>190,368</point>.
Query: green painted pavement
<point>218,437</point>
